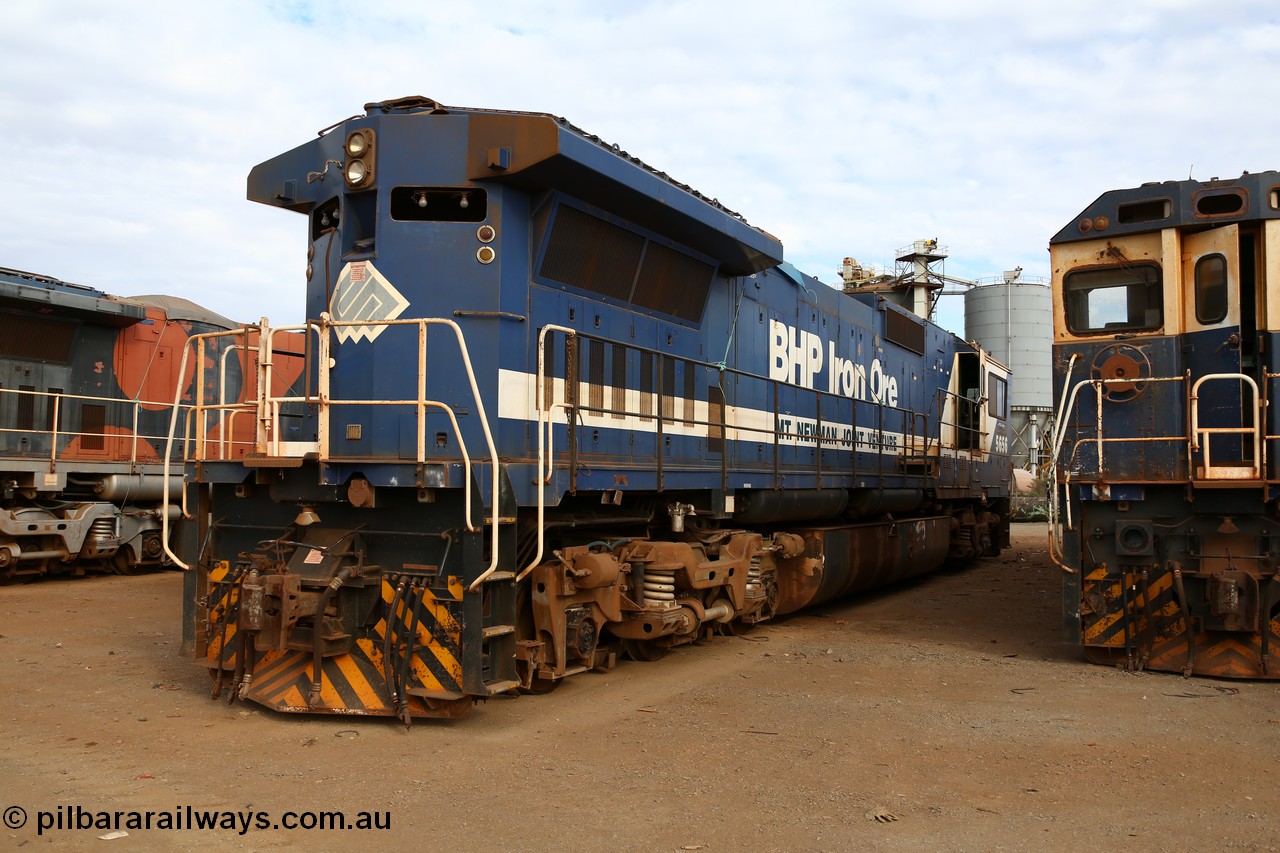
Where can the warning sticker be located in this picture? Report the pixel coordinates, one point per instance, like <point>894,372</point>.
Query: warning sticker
<point>314,556</point>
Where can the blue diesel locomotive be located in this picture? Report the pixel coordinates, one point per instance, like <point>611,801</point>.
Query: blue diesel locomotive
<point>558,407</point>
<point>1165,350</point>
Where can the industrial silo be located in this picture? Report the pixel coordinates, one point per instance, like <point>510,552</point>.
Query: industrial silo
<point>1013,320</point>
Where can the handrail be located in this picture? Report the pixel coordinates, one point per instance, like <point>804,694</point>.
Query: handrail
<point>268,405</point>
<point>1196,430</point>
<point>1191,438</point>
<point>56,432</point>
<point>916,439</point>
<point>1195,437</point>
<point>168,454</point>
<point>195,427</point>
<point>326,402</point>
<point>545,439</point>
<point>1069,404</point>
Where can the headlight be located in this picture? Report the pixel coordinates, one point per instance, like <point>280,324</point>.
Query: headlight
<point>361,150</point>
<point>356,144</point>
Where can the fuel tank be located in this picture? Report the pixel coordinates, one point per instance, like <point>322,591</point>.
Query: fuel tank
<point>839,561</point>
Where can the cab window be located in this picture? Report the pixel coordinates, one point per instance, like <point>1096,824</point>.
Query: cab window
<point>1115,299</point>
<point>997,396</point>
<point>1211,289</point>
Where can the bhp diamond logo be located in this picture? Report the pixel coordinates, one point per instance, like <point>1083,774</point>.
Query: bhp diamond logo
<point>364,295</point>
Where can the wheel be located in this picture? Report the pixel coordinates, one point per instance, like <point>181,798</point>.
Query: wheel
<point>122,565</point>
<point>538,685</point>
<point>735,628</point>
<point>541,686</point>
<point>644,650</point>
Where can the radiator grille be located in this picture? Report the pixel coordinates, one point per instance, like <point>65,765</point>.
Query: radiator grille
<point>586,252</point>
<point>673,282</point>
<point>35,338</point>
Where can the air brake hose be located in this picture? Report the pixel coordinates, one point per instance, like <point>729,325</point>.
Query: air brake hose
<point>250,651</point>
<point>388,669</point>
<point>1186,621</point>
<point>317,622</point>
<point>411,622</point>
<point>1266,621</point>
<point>1146,638</point>
<point>240,670</point>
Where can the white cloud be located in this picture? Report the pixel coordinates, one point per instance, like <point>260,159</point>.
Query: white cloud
<point>845,129</point>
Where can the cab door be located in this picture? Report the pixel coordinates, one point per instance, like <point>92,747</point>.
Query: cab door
<point>1219,352</point>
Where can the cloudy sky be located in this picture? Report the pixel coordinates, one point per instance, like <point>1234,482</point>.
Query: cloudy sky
<point>844,128</point>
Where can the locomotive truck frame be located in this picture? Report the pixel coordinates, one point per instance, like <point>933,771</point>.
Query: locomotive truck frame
<point>555,408</point>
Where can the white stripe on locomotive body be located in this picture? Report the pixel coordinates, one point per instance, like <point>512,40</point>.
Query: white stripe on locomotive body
<point>517,394</point>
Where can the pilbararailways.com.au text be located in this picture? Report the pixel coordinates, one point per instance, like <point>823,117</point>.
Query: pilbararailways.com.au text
<point>71,818</point>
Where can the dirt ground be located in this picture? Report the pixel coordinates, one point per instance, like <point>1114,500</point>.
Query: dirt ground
<point>947,708</point>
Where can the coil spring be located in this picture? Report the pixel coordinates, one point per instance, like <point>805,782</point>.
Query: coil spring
<point>755,581</point>
<point>659,586</point>
<point>103,528</point>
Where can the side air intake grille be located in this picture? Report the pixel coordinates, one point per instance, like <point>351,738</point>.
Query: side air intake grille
<point>904,331</point>
<point>35,338</point>
<point>673,282</point>
<point>587,252</point>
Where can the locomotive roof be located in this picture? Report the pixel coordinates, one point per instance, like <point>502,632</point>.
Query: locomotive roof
<point>30,291</point>
<point>540,152</point>
<point>1167,204</point>
<point>549,152</point>
<point>177,308</point>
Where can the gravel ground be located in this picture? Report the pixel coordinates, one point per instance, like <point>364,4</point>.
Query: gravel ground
<point>940,715</point>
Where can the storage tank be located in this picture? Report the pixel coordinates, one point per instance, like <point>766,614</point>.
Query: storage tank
<point>1013,320</point>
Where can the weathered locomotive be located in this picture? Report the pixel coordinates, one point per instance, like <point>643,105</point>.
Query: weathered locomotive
<point>86,385</point>
<point>559,407</point>
<point>1166,328</point>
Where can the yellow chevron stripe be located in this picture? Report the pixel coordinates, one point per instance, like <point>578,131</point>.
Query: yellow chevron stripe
<point>277,670</point>
<point>1224,658</point>
<point>423,639</point>
<point>444,616</point>
<point>1097,632</point>
<point>215,645</point>
<point>1230,644</point>
<point>446,658</point>
<point>292,698</point>
<point>329,696</point>
<point>374,652</point>
<point>369,696</point>
<point>441,611</point>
